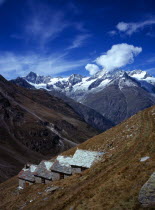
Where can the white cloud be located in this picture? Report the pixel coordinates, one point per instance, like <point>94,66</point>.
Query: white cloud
<point>79,40</point>
<point>92,68</point>
<point>13,65</point>
<point>130,28</point>
<point>118,56</point>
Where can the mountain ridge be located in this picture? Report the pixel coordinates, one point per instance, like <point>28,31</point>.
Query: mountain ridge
<point>96,91</point>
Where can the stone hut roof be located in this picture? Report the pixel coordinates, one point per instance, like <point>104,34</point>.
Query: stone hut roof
<point>85,158</point>
<point>43,169</point>
<point>62,165</point>
<point>60,168</point>
<point>27,174</point>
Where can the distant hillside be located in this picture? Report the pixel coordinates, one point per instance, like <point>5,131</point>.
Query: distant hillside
<point>112,183</point>
<point>35,125</point>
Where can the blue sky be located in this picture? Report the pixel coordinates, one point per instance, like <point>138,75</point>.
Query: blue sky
<point>61,37</point>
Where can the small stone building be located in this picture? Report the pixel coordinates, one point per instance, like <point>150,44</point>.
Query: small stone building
<point>26,176</point>
<point>43,173</point>
<point>62,167</point>
<point>84,159</point>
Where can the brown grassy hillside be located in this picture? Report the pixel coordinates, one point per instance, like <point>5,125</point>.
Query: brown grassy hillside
<point>112,183</point>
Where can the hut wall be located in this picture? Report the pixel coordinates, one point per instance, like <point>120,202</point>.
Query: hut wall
<point>47,181</point>
<point>22,183</point>
<point>55,176</point>
<point>65,176</point>
<point>76,170</point>
<point>38,179</point>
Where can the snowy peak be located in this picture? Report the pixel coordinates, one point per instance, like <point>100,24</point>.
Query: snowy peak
<point>37,79</point>
<point>76,85</point>
<point>75,78</point>
<point>31,77</point>
<point>139,74</point>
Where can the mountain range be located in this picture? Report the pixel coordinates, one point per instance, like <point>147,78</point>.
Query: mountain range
<point>116,95</point>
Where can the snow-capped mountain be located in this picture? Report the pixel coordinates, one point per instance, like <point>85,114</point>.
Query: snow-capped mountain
<point>76,86</point>
<point>116,95</point>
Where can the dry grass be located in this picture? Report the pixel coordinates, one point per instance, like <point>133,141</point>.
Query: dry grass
<point>112,183</point>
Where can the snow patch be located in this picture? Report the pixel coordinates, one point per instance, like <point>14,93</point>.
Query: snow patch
<point>48,164</point>
<point>85,158</point>
<point>64,160</point>
<point>33,168</point>
<point>144,158</point>
<point>20,188</point>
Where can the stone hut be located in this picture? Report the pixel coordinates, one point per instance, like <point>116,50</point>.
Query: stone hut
<point>62,167</point>
<point>84,159</point>
<point>26,176</point>
<point>43,173</point>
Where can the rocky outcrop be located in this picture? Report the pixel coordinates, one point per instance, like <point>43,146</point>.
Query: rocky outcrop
<point>75,78</point>
<point>37,79</point>
<point>22,82</point>
<point>147,193</point>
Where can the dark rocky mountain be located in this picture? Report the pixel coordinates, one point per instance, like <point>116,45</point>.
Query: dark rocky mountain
<point>35,125</point>
<point>91,116</point>
<point>22,82</point>
<point>122,98</point>
<point>37,79</point>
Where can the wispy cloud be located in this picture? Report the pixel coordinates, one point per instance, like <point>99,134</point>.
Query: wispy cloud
<point>132,27</point>
<point>151,60</point>
<point>45,25</point>
<point>112,33</point>
<point>79,41</point>
<point>40,28</point>
<point>52,64</point>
